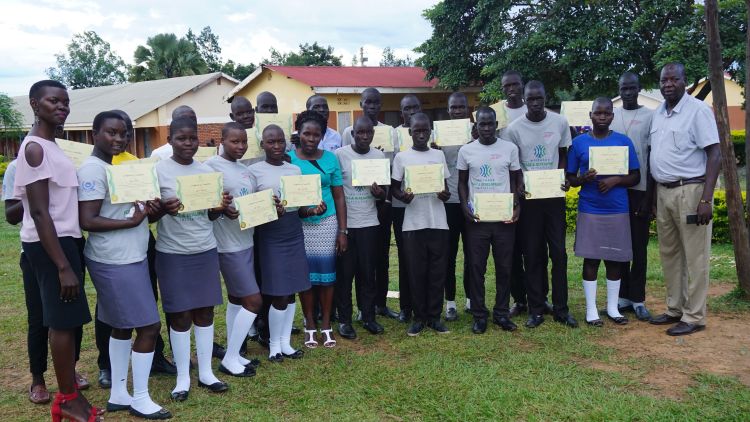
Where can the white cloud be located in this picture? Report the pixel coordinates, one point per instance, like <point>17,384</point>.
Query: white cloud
<point>240,17</point>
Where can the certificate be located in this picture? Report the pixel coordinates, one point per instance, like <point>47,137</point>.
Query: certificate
<point>253,146</point>
<point>404,138</point>
<point>256,209</point>
<point>300,191</point>
<point>132,182</point>
<point>500,113</point>
<point>78,152</point>
<point>609,160</point>
<point>577,112</point>
<point>493,207</point>
<point>365,172</point>
<point>204,153</point>
<point>452,132</point>
<point>200,191</point>
<point>383,138</point>
<point>148,160</point>
<point>282,120</point>
<point>427,178</point>
<point>544,183</point>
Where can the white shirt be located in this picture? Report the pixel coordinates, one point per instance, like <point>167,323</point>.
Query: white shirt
<point>331,141</point>
<point>489,166</point>
<point>229,237</point>
<point>360,204</point>
<point>636,125</point>
<point>163,152</point>
<point>539,142</point>
<point>678,140</point>
<point>425,211</point>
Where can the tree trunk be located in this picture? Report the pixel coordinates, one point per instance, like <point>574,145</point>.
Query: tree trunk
<point>747,108</point>
<point>735,206</point>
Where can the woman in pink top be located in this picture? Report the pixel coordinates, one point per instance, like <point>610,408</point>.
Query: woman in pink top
<point>47,184</point>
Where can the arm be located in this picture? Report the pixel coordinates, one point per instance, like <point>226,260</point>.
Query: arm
<point>631,179</point>
<point>399,194</point>
<point>338,199</point>
<point>713,165</point>
<point>90,220</point>
<point>516,188</point>
<point>463,195</point>
<point>563,164</point>
<point>445,194</point>
<point>224,208</point>
<point>13,211</point>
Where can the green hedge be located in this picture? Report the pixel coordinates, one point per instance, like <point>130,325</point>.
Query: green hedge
<point>721,220</point>
<point>738,140</point>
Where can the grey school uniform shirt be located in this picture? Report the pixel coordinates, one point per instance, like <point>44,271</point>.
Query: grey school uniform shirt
<point>426,211</point>
<point>360,204</point>
<point>539,142</point>
<point>237,181</point>
<point>636,125</point>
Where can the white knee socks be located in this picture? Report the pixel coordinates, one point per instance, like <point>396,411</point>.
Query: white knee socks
<point>204,345</point>
<point>119,360</point>
<point>181,351</point>
<point>242,322</point>
<point>613,293</point>
<point>141,368</point>
<point>589,291</point>
<point>286,333</point>
<point>232,310</point>
<point>276,319</point>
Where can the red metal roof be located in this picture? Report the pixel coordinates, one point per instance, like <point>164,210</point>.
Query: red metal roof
<point>350,76</point>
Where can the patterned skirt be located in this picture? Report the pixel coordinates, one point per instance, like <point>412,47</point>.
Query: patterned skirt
<point>320,247</point>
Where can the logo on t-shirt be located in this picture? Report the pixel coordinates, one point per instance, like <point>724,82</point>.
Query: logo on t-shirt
<point>244,191</point>
<point>88,186</point>
<point>485,170</point>
<point>540,151</point>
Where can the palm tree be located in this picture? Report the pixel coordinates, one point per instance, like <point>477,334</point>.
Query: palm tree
<point>166,56</point>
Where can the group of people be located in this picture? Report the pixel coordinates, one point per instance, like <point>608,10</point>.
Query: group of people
<point>318,251</point>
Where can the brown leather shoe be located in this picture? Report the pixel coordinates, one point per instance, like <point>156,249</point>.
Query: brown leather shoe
<point>684,328</point>
<point>664,319</point>
<point>38,394</point>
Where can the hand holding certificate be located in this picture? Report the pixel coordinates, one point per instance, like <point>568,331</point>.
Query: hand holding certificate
<point>609,161</point>
<point>367,172</point>
<point>132,182</point>
<point>452,132</point>
<point>301,191</point>
<point>493,207</point>
<point>200,191</point>
<point>542,184</point>
<point>383,138</point>
<point>428,178</point>
<point>577,112</point>
<point>256,209</point>
<point>78,152</point>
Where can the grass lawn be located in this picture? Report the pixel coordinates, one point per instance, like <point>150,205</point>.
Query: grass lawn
<point>550,373</point>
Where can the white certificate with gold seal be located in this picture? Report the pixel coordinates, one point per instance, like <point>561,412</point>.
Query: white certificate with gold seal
<point>132,182</point>
<point>576,112</point>
<point>542,184</point>
<point>609,161</point>
<point>367,172</point>
<point>300,191</point>
<point>426,178</point>
<point>256,209</point>
<point>200,191</point>
<point>493,207</point>
<point>452,132</point>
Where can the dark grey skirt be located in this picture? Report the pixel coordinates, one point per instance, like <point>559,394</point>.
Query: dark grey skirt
<point>188,281</point>
<point>124,298</point>
<point>239,273</point>
<point>603,236</point>
<point>281,245</point>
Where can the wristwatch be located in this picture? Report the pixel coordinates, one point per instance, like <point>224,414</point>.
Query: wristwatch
<point>344,231</point>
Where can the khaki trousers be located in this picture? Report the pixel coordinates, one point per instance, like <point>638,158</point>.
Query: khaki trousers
<point>685,250</point>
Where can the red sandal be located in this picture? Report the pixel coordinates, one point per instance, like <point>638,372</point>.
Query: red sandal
<point>60,399</point>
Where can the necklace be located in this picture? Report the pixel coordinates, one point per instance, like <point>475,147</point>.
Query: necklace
<point>622,116</point>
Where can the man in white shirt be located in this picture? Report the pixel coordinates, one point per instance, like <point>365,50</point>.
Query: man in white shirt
<point>331,140</point>
<point>684,161</point>
<point>183,111</point>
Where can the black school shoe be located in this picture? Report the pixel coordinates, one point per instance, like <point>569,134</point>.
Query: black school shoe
<point>534,321</point>
<point>415,329</point>
<point>160,414</point>
<point>347,331</point>
<point>217,387</point>
<point>248,372</point>
<point>161,365</point>
<point>439,327</point>
<point>218,351</point>
<point>505,323</point>
<point>373,327</point>
<point>479,326</point>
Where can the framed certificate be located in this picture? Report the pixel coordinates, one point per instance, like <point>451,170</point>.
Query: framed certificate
<point>132,182</point>
<point>204,153</point>
<point>404,138</point>
<point>300,191</point>
<point>493,207</point>
<point>383,138</point>
<point>427,178</point>
<point>577,112</point>
<point>200,191</point>
<point>253,146</point>
<point>452,132</point>
<point>283,120</point>
<point>78,152</point>
<point>609,160</point>
<point>256,209</point>
<point>365,172</point>
<point>542,184</point>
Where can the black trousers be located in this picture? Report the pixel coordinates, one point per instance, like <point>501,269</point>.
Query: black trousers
<point>457,229</point>
<point>37,335</point>
<point>426,251</point>
<point>404,286</point>
<point>517,273</point>
<point>542,230</point>
<point>633,284</point>
<point>383,253</point>
<point>358,263</point>
<point>482,236</point>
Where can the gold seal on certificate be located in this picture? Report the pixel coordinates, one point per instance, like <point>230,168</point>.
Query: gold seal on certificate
<point>542,184</point>
<point>427,178</point>
<point>256,209</point>
<point>367,172</point>
<point>200,191</point>
<point>253,146</point>
<point>609,160</point>
<point>300,191</point>
<point>383,138</point>
<point>452,132</point>
<point>204,153</point>
<point>78,152</point>
<point>576,112</point>
<point>282,120</point>
<point>404,138</point>
<point>132,182</point>
<point>493,207</point>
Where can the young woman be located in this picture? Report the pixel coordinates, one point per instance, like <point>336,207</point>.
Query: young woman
<point>116,259</point>
<point>325,234</point>
<point>281,246</point>
<point>603,223</point>
<point>47,186</point>
<point>235,248</point>
<point>187,262</point>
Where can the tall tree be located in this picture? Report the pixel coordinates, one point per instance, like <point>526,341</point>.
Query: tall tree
<point>237,70</point>
<point>11,120</point>
<point>166,56</point>
<point>390,59</point>
<point>207,44</point>
<point>88,62</point>
<point>308,55</point>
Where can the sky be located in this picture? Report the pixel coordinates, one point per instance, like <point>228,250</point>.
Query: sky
<point>33,32</point>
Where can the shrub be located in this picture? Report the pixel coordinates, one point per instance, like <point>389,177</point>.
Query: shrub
<point>738,141</point>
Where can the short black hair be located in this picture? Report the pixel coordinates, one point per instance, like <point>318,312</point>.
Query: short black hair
<point>309,100</point>
<point>629,75</point>
<point>400,104</point>
<point>680,67</point>
<point>231,126</point>
<point>272,127</point>
<point>180,123</point>
<point>370,90</point>
<point>487,110</point>
<point>513,73</point>
<point>36,90</point>
<point>601,100</point>
<point>311,116</point>
<point>458,94</point>
<point>104,115</point>
<point>534,84</point>
<point>419,116</point>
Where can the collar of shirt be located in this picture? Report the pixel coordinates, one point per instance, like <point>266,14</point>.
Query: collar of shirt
<point>677,108</point>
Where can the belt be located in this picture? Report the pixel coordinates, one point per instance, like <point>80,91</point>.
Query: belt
<point>681,182</point>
